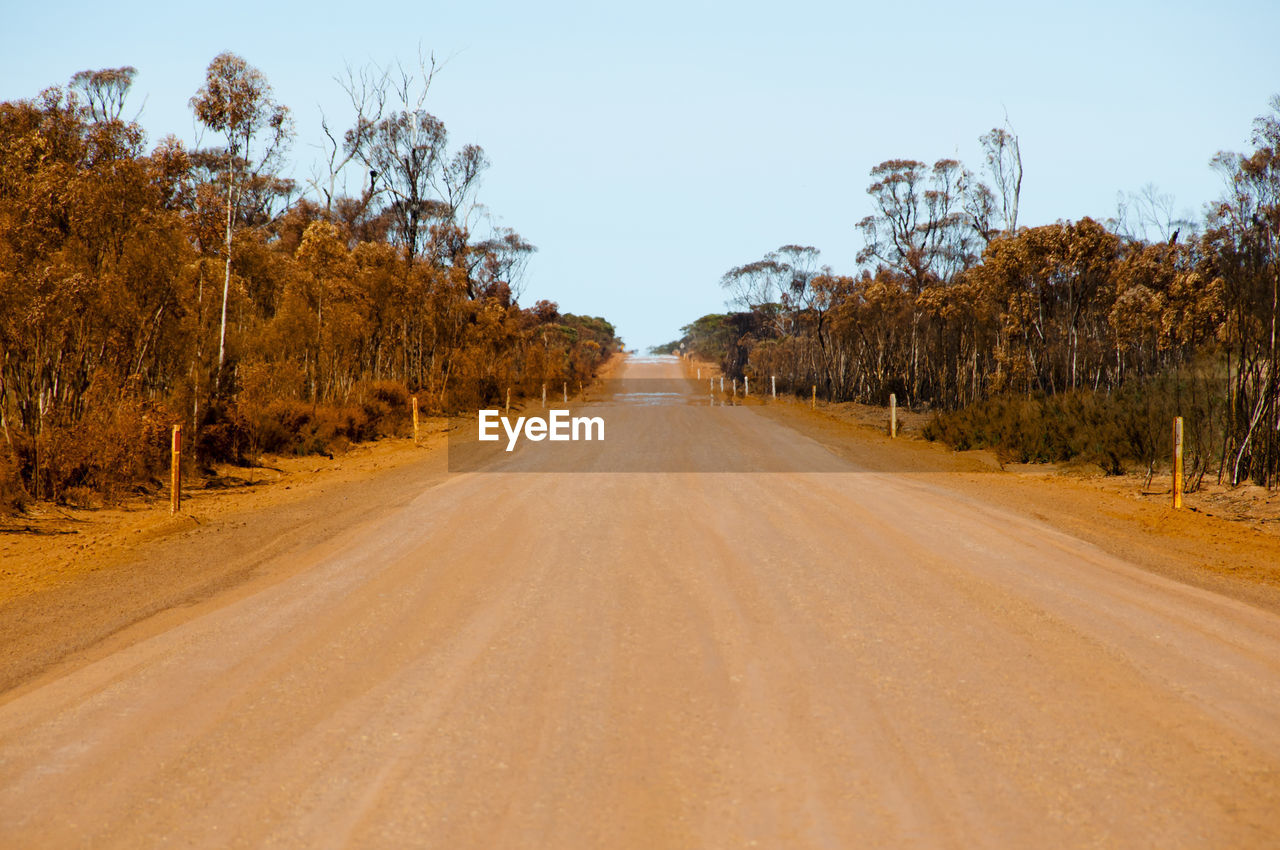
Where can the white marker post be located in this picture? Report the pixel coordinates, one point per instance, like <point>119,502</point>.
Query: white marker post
<point>564,390</point>
<point>699,374</point>
<point>813,403</point>
<point>746,386</point>
<point>893,415</point>
<point>722,383</point>
<point>544,396</point>
<point>773,387</point>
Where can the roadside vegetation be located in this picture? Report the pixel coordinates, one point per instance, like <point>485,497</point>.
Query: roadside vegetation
<point>1077,339</point>
<point>148,285</point>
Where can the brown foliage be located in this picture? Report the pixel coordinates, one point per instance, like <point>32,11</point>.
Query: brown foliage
<point>1072,319</point>
<point>118,266</point>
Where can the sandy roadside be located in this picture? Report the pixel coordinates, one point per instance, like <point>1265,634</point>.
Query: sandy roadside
<point>71,580</point>
<point>54,545</point>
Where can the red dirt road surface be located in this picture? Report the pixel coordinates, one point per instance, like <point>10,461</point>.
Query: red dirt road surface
<point>629,659</point>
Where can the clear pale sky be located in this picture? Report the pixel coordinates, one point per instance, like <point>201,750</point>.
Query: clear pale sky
<point>647,148</point>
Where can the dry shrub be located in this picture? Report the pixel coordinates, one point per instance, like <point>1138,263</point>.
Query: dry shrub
<point>1131,425</point>
<point>386,404</point>
<point>224,435</point>
<point>391,394</point>
<point>302,428</point>
<point>120,445</point>
<point>13,496</point>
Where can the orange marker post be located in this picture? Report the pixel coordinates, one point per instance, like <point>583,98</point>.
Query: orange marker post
<point>1177,462</point>
<point>175,470</point>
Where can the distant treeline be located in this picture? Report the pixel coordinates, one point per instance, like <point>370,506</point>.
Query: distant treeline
<point>959,308</point>
<point>201,286</point>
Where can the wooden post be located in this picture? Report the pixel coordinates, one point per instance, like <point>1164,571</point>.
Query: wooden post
<point>564,391</point>
<point>893,415</point>
<point>508,410</point>
<point>773,387</point>
<point>544,396</point>
<point>699,374</point>
<point>175,470</point>
<point>1177,461</point>
<point>711,386</point>
<point>415,420</point>
<point>813,403</point>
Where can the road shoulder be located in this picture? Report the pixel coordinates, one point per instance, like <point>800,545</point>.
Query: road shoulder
<point>1237,559</point>
<point>74,590</point>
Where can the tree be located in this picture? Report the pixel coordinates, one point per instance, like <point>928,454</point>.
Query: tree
<point>503,260</point>
<point>105,91</point>
<point>1004,164</point>
<point>918,229</point>
<point>756,284</point>
<point>1243,246</point>
<point>367,91</point>
<point>403,152</point>
<point>1148,215</point>
<point>237,102</point>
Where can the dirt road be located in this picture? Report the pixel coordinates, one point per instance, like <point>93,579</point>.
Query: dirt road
<point>671,659</point>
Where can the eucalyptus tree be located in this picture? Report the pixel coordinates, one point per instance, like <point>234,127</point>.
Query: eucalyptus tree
<point>237,102</point>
